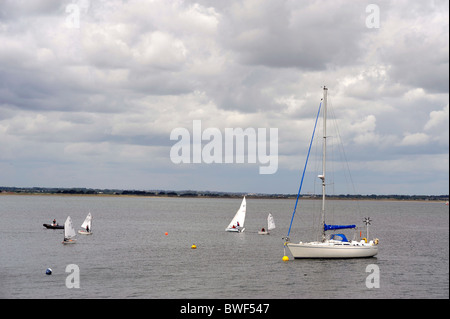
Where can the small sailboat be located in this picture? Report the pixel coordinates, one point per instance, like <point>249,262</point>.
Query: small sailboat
<point>270,226</point>
<point>237,223</point>
<point>87,226</point>
<point>69,232</point>
<point>336,245</point>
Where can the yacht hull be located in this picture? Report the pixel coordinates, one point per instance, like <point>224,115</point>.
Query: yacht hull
<point>331,250</point>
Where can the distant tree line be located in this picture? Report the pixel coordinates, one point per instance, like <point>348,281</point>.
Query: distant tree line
<point>191,193</point>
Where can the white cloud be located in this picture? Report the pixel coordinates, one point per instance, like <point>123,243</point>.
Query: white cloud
<point>159,50</point>
<point>439,120</point>
<point>415,139</point>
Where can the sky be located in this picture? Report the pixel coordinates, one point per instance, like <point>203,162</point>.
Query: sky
<point>111,94</point>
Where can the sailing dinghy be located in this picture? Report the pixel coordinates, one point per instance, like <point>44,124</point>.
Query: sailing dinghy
<point>270,226</point>
<point>336,245</point>
<point>69,232</point>
<point>87,226</point>
<point>237,223</point>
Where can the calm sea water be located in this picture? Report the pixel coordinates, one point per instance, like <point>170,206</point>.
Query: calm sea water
<point>129,255</point>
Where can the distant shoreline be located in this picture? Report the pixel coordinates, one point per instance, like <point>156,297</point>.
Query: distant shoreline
<point>205,194</point>
<point>225,197</point>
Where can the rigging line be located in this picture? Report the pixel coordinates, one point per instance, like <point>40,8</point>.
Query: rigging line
<point>304,169</point>
<point>347,172</point>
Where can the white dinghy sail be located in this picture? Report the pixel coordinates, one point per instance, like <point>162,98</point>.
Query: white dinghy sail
<point>270,222</point>
<point>87,226</point>
<point>270,225</point>
<point>69,232</point>
<point>237,223</point>
<point>336,245</point>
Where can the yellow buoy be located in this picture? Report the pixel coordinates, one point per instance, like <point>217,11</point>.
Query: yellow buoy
<point>285,258</point>
<point>193,246</point>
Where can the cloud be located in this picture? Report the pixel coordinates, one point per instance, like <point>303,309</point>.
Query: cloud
<point>410,31</point>
<point>415,139</point>
<point>278,33</point>
<point>438,120</point>
<point>109,92</point>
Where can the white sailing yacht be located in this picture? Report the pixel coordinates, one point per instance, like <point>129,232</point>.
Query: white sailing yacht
<point>237,223</point>
<point>336,245</point>
<point>270,226</point>
<point>87,225</point>
<point>69,232</point>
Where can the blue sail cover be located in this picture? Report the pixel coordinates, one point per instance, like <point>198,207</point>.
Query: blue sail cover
<point>334,227</point>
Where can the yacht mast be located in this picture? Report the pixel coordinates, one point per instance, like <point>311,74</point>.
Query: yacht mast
<point>324,153</point>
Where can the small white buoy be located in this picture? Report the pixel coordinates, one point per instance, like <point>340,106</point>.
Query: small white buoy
<point>48,271</point>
